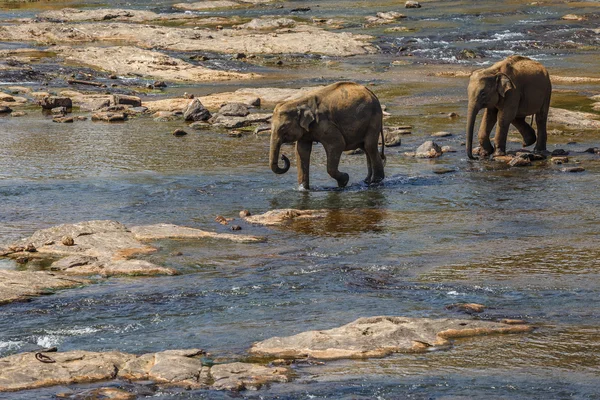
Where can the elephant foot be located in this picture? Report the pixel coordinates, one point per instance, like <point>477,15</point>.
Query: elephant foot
<point>499,153</point>
<point>529,141</point>
<point>343,181</point>
<point>376,180</point>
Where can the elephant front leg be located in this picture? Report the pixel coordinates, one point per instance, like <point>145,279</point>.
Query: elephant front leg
<point>526,131</point>
<point>501,135</point>
<point>303,150</point>
<point>485,129</point>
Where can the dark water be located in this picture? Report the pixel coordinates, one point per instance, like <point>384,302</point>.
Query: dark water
<point>522,241</point>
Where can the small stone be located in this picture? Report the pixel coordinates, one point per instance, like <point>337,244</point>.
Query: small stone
<point>221,219</point>
<point>448,149</point>
<point>22,260</point>
<point>59,110</point>
<point>18,114</point>
<point>63,120</point>
<point>572,17</point>
<point>441,134</point>
<point>160,84</point>
<point>412,4</point>
<point>30,247</point>
<point>510,321</point>
<point>520,162</point>
<point>176,254</point>
<point>429,149</point>
<point>354,152</point>
<point>200,125</point>
<point>239,56</point>
<point>592,150</point>
<point>5,109</point>
<point>559,160</point>
<point>469,308</point>
<point>109,116</point>
<point>235,134</point>
<point>279,62</point>
<point>113,76</point>
<point>187,95</point>
<point>236,228</point>
<point>179,132</point>
<point>453,115</point>
<point>559,152</point>
<point>573,169</point>
<point>67,241</point>
<point>245,213</point>
<point>443,170</point>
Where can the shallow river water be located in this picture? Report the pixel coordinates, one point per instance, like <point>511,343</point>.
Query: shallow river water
<point>522,241</point>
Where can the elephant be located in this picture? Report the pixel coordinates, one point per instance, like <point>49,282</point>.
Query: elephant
<point>341,116</point>
<point>509,91</point>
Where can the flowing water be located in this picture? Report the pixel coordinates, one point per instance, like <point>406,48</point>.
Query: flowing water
<point>522,241</point>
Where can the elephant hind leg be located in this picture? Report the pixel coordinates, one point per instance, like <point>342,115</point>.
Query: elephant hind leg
<point>525,130</point>
<point>541,119</point>
<point>334,150</point>
<point>374,160</point>
<point>369,168</point>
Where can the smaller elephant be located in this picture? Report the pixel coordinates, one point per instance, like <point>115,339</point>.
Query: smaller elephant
<point>509,91</point>
<point>342,116</point>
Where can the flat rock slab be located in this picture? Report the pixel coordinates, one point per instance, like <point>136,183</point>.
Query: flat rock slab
<point>169,231</point>
<point>21,285</point>
<point>284,216</point>
<point>379,337</point>
<point>573,119</point>
<point>301,39</point>
<point>128,59</point>
<point>173,367</point>
<point>109,14</point>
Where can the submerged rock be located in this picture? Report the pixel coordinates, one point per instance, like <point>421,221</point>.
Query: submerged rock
<point>379,337</point>
<point>22,285</point>
<point>284,216</point>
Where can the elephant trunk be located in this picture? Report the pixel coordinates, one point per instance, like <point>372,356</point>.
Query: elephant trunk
<point>472,116</point>
<point>274,157</point>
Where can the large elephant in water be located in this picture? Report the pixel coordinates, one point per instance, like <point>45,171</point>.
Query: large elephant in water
<point>509,91</point>
<point>342,116</point>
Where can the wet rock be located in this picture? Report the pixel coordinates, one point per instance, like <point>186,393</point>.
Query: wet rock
<point>573,169</point>
<point>109,116</point>
<point>168,231</point>
<point>429,149</point>
<point>206,5</point>
<point>267,24</point>
<point>559,152</point>
<point>17,113</point>
<point>195,111</point>
<point>59,110</point>
<point>573,79</point>
<point>592,150</point>
<point>385,18</point>
<point>179,132</point>
<point>234,110</point>
<point>239,376</point>
<point>443,170</point>
<point>104,393</point>
<point>67,240</point>
<point>448,149</point>
<point>573,17</point>
<point>165,116</point>
<point>284,216</point>
<point>469,308</point>
<point>441,134</point>
<point>521,161</point>
<point>559,160</point>
<point>379,337</point>
<point>354,152</point>
<point>159,84</point>
<point>22,285</point>
<point>50,102</point>
<point>133,101</point>
<point>239,122</point>
<point>236,228</point>
<point>63,120</point>
<point>466,54</point>
<point>412,4</point>
<point>392,139</point>
<point>263,130</point>
<point>109,14</point>
<point>222,220</point>
<point>5,110</point>
<point>200,125</point>
<point>245,213</point>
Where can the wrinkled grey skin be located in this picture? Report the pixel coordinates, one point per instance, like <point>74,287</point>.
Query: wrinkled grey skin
<point>509,91</point>
<point>342,116</point>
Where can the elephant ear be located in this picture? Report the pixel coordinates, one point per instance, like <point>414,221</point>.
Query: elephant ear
<point>307,113</point>
<point>504,84</point>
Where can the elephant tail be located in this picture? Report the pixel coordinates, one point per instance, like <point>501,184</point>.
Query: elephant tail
<point>382,145</point>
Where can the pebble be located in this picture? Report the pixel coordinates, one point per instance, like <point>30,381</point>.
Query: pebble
<point>441,134</point>
<point>67,241</point>
<point>179,132</point>
<point>560,160</point>
<point>236,228</point>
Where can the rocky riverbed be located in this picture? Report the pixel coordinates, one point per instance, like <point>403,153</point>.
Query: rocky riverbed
<point>132,137</point>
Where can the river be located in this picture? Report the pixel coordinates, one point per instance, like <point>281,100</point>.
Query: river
<point>522,241</point>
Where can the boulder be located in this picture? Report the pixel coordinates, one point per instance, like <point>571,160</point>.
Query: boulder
<point>441,134</point>
<point>234,110</point>
<point>195,111</point>
<point>429,149</point>
<point>50,102</point>
<point>379,337</point>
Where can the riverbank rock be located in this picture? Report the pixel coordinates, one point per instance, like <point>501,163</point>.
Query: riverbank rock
<point>379,337</point>
<point>109,14</point>
<point>132,60</point>
<point>227,122</point>
<point>196,111</point>
<point>50,102</point>
<point>429,149</point>
<point>301,39</point>
<point>22,285</point>
<point>284,216</point>
<point>109,116</point>
<point>267,24</point>
<point>573,119</point>
<point>184,368</point>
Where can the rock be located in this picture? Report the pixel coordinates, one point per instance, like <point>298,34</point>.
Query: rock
<point>18,114</point>
<point>168,231</point>
<point>391,15</point>
<point>50,102</point>
<point>354,152</point>
<point>67,240</point>
<point>239,376</point>
<point>559,152</point>
<point>453,115</point>
<point>6,98</point>
<point>133,101</point>
<point>559,160</point>
<point>245,213</point>
<point>448,149</point>
<point>466,54</point>
<point>63,120</point>
<point>379,337</point>
<point>179,132</point>
<point>109,116</point>
<point>104,393</point>
<point>200,125</point>
<point>21,285</point>
<point>469,308</point>
<point>267,24</point>
<point>234,110</point>
<point>59,110</point>
<point>109,14</point>
<point>222,220</point>
<point>412,4</point>
<point>429,149</point>
<point>166,116</point>
<point>284,216</point>
<point>392,139</point>
<point>573,169</point>
<point>592,150</point>
<point>239,122</point>
<point>195,111</point>
<point>523,161</point>
<point>160,84</point>
<point>206,5</point>
<point>573,17</point>
<point>5,109</point>
<point>236,228</point>
<point>443,170</point>
<point>441,134</point>
<point>573,119</point>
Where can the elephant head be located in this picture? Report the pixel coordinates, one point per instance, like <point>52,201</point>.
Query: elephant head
<point>486,90</point>
<point>291,121</point>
